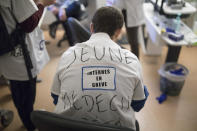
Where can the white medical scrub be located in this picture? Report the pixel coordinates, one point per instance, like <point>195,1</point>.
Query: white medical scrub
<point>134,15</point>
<point>12,64</point>
<point>134,8</point>
<point>96,82</point>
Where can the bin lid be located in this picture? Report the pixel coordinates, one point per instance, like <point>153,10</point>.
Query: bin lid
<point>173,71</point>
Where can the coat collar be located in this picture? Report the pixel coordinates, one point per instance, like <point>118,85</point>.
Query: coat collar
<point>102,39</point>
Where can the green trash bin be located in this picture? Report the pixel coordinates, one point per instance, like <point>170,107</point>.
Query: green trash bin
<point>172,78</point>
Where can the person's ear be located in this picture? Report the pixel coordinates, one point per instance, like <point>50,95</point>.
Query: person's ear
<point>91,28</point>
<point>116,34</point>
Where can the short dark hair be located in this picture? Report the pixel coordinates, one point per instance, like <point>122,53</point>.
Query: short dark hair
<point>108,20</point>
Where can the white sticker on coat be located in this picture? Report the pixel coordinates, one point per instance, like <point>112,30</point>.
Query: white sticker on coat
<point>98,78</point>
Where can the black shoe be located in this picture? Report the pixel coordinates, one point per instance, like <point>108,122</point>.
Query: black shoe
<point>3,81</point>
<point>6,117</point>
<point>38,80</point>
<point>63,39</point>
<point>53,29</point>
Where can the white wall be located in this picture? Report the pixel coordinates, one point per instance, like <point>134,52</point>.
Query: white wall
<point>101,3</point>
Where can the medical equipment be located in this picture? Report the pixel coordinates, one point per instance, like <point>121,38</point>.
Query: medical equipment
<point>176,4</point>
<point>170,8</point>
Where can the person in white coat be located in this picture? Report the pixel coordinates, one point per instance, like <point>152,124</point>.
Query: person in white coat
<point>26,14</point>
<point>134,18</point>
<point>97,80</point>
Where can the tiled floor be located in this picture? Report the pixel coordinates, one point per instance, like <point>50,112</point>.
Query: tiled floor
<point>176,114</point>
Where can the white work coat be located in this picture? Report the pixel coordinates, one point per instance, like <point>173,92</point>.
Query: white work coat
<point>12,64</point>
<point>134,8</point>
<point>96,81</point>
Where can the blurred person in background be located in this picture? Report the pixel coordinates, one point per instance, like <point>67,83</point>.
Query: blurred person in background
<point>26,14</point>
<point>64,9</point>
<point>134,18</point>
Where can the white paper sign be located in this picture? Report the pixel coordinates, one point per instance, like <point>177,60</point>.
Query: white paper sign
<point>98,78</point>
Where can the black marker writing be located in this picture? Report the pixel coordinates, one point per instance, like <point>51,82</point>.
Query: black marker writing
<point>114,55</point>
<point>111,52</point>
<point>99,84</point>
<point>98,78</point>
<point>122,103</point>
<point>98,102</point>
<point>73,60</point>
<point>127,58</point>
<point>82,54</point>
<point>65,98</point>
<point>110,103</point>
<point>68,99</point>
<point>73,99</point>
<point>86,100</point>
<point>128,102</point>
<point>101,56</point>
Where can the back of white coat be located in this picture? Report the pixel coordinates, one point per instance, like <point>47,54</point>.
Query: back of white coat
<point>134,11</point>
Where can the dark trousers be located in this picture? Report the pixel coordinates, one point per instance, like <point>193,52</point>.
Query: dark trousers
<point>132,35</point>
<point>73,10</point>
<point>137,126</point>
<point>23,95</point>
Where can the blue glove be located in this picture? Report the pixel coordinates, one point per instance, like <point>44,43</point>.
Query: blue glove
<point>137,105</point>
<point>55,98</point>
<point>162,98</point>
<point>178,71</point>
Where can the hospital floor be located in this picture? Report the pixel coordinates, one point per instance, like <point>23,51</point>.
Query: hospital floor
<point>175,114</point>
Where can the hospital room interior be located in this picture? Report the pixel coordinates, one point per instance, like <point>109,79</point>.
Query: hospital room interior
<point>167,49</point>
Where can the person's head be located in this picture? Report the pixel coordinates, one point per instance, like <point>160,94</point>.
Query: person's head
<point>108,20</point>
